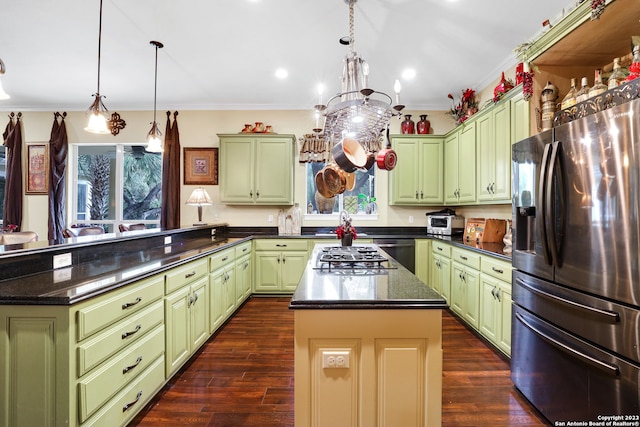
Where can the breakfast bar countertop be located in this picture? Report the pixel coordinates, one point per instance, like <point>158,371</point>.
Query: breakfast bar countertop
<point>393,287</point>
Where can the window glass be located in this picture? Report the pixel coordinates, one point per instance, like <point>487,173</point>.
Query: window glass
<point>360,200</point>
<point>116,184</point>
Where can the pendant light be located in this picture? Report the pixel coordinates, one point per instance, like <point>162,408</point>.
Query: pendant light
<point>3,94</point>
<point>154,143</point>
<point>97,112</point>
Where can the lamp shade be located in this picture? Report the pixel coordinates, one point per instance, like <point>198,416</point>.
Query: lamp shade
<point>199,197</point>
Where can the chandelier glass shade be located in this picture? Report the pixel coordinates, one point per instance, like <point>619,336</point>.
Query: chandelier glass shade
<point>357,111</point>
<point>97,112</point>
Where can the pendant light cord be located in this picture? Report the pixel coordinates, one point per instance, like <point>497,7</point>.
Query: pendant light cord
<point>155,85</point>
<point>99,46</point>
<point>352,40</point>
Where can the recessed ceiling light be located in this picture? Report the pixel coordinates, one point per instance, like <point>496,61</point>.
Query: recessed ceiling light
<point>408,74</point>
<point>281,73</point>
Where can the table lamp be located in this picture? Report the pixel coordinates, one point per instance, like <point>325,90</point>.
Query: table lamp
<point>198,198</point>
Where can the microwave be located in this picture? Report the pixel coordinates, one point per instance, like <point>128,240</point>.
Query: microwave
<point>445,225</point>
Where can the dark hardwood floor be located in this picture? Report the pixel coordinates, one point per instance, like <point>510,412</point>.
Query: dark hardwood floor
<point>244,377</point>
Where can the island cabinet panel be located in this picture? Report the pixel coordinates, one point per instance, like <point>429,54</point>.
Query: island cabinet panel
<point>222,280</point>
<point>394,373</point>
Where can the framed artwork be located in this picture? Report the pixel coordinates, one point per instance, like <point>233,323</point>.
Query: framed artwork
<point>201,166</point>
<point>37,168</point>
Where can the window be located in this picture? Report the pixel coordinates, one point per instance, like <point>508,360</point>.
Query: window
<point>360,200</point>
<point>115,184</point>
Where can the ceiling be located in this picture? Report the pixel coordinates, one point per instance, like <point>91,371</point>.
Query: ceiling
<point>223,54</point>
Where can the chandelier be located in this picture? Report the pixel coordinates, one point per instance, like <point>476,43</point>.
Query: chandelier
<point>358,111</point>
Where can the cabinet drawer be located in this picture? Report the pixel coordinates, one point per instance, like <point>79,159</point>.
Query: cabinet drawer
<point>98,387</point>
<point>221,258</point>
<point>97,349</point>
<point>282,245</point>
<point>467,258</point>
<point>113,307</point>
<point>441,248</point>
<point>497,268</point>
<point>243,249</point>
<point>180,276</point>
<point>121,408</point>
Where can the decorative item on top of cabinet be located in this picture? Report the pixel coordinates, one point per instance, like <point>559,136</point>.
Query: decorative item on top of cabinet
<point>424,126</point>
<point>407,126</point>
<point>504,86</point>
<point>466,108</point>
<point>548,98</point>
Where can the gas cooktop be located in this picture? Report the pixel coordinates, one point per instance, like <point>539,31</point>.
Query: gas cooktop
<point>343,257</point>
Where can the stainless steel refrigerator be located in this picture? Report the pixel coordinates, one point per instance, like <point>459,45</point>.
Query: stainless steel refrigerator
<point>576,282</point>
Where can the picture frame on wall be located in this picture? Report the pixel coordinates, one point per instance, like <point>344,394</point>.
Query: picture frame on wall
<point>37,168</point>
<point>200,166</point>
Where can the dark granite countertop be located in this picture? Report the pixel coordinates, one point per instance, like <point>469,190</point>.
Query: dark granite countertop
<point>392,288</point>
<point>70,285</point>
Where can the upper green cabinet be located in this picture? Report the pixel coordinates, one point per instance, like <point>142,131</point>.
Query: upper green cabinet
<point>418,177</point>
<point>256,169</point>
<point>493,139</point>
<point>460,165</point>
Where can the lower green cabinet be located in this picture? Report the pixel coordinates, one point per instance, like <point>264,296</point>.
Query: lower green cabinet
<point>187,322</point>
<point>422,261</point>
<point>495,302</point>
<point>279,264</point>
<point>243,279</point>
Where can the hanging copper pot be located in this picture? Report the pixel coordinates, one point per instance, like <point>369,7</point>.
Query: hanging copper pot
<point>387,157</point>
<point>349,155</point>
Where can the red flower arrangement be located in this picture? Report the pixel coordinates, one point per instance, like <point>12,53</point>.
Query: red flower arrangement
<point>467,106</point>
<point>346,228</point>
<point>10,228</point>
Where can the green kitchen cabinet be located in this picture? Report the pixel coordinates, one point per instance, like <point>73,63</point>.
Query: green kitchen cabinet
<point>279,264</point>
<point>222,279</point>
<point>418,177</point>
<point>441,269</point>
<point>243,278</point>
<point>187,322</point>
<point>495,302</point>
<point>460,165</point>
<point>256,169</point>
<point>465,285</point>
<point>494,154</point>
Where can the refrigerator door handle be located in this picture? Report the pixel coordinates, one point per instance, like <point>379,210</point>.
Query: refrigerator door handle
<point>608,367</point>
<point>610,316</point>
<point>554,174</point>
<point>542,203</point>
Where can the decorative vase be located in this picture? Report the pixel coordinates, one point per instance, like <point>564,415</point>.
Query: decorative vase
<point>503,87</point>
<point>407,126</point>
<point>248,128</point>
<point>259,127</point>
<point>324,204</point>
<point>519,73</point>
<point>424,126</point>
<point>347,239</point>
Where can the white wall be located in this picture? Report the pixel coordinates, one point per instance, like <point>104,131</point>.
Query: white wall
<point>199,129</point>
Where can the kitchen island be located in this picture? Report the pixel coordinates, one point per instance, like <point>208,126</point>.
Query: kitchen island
<point>368,346</point>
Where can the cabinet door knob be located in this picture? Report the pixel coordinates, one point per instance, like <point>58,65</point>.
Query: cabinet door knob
<point>416,195</point>
<point>251,193</point>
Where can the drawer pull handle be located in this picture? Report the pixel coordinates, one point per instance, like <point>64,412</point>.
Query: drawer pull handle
<point>128,334</point>
<point>186,276</point>
<point>245,249</point>
<point>130,367</point>
<point>439,248</point>
<point>131,304</point>
<point>497,270</point>
<point>464,258</point>
<point>278,245</point>
<point>130,404</point>
<point>225,258</point>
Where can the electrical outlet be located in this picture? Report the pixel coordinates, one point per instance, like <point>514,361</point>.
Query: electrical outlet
<point>270,218</point>
<point>167,240</point>
<point>335,359</point>
<point>62,260</point>
<point>410,219</point>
